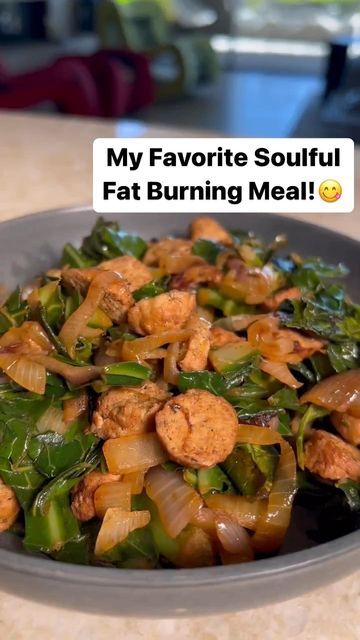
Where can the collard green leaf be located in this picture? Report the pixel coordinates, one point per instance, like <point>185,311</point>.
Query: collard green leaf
<point>207,250</point>
<point>107,241</point>
<point>52,454</point>
<point>251,468</point>
<point>343,356</point>
<point>311,414</point>
<point>351,490</point>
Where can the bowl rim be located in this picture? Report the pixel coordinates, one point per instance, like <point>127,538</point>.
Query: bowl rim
<point>295,562</point>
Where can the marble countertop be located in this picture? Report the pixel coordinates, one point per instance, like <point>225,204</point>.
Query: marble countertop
<point>46,162</point>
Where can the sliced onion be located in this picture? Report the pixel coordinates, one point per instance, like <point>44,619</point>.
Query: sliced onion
<point>275,301</point>
<point>75,325</point>
<point>205,519</point>
<point>133,349</point>
<point>26,373</point>
<point>238,323</point>
<point>280,371</point>
<point>340,392</point>
<point>73,408</point>
<point>31,335</point>
<point>112,494</point>
<point>136,452</point>
<point>176,501</point>
<point>234,538</point>
<point>171,371</point>
<point>76,375</point>
<point>52,420</point>
<point>135,480</point>
<point>229,354</point>
<point>250,285</point>
<point>273,525</point>
<point>281,345</point>
<point>116,526</point>
<point>245,511</point>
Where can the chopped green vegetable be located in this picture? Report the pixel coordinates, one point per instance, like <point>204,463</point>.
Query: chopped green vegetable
<point>13,312</point>
<point>207,250</point>
<point>52,531</point>
<point>214,479</point>
<point>311,414</point>
<point>210,298</point>
<point>149,290</point>
<point>123,374</point>
<point>251,468</point>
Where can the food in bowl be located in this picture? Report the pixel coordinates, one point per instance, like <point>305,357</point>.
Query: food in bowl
<point>171,403</point>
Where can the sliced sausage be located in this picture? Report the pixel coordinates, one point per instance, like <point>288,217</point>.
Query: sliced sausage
<point>127,410</point>
<point>197,428</point>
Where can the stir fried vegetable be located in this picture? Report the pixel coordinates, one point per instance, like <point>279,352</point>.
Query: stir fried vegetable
<point>171,403</point>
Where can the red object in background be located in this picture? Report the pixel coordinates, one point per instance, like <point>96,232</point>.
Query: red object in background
<point>123,80</point>
<point>107,84</point>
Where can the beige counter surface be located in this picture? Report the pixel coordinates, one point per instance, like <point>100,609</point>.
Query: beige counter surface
<point>46,162</point>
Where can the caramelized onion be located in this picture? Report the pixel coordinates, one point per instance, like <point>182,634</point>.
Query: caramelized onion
<point>73,408</point>
<point>135,480</point>
<point>52,420</point>
<point>134,349</point>
<point>249,285</point>
<point>26,373</point>
<point>234,538</point>
<point>171,371</point>
<point>75,325</point>
<point>76,375</point>
<point>136,452</point>
<point>281,345</point>
<point>340,392</point>
<point>245,511</point>
<point>110,495</point>
<point>280,371</point>
<point>30,335</point>
<point>273,525</point>
<point>239,322</point>
<point>116,526</point>
<point>176,501</point>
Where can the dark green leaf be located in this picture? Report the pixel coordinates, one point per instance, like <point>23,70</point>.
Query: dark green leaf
<point>51,531</point>
<point>311,414</point>
<point>75,258</point>
<point>214,479</point>
<point>343,356</point>
<point>351,491</point>
<point>52,454</point>
<point>207,250</point>
<point>285,398</point>
<point>106,241</point>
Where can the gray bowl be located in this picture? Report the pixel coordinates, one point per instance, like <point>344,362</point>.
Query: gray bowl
<point>28,246</point>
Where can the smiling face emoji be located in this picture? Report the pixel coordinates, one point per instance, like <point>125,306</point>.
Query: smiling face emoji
<point>330,190</point>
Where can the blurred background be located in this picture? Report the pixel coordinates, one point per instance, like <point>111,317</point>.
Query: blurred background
<point>241,67</point>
